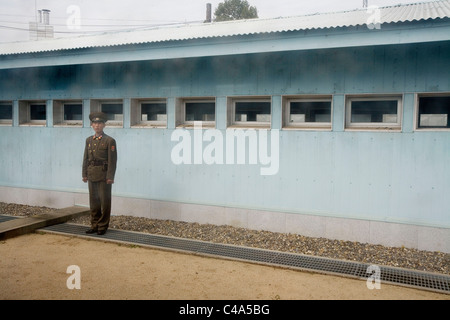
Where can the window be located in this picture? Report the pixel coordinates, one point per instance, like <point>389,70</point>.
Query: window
<point>200,110</point>
<point>374,112</point>
<point>68,113</point>
<point>73,111</point>
<point>112,108</point>
<point>307,112</point>
<point>149,113</point>
<point>192,110</point>
<point>250,111</point>
<point>32,112</point>
<point>6,113</point>
<point>433,112</point>
<point>37,112</point>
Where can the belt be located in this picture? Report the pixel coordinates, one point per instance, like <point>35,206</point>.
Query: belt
<point>97,162</point>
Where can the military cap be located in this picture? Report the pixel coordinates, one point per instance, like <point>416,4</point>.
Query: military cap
<point>97,117</point>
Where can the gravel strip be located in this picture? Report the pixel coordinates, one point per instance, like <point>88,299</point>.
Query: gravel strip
<point>337,249</point>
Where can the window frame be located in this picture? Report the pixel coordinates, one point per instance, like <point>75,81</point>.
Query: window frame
<point>231,103</point>
<point>25,113</point>
<point>136,113</point>
<point>378,126</point>
<point>417,97</point>
<point>7,122</point>
<point>58,113</point>
<point>181,112</point>
<point>286,107</point>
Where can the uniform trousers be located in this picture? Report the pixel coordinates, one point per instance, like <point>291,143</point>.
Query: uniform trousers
<point>100,204</point>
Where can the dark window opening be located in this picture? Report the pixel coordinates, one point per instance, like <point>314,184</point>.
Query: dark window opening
<point>114,111</point>
<point>200,111</point>
<point>153,112</point>
<point>73,112</point>
<point>310,111</point>
<point>434,112</point>
<point>379,111</point>
<point>256,111</point>
<point>5,112</point>
<point>37,112</point>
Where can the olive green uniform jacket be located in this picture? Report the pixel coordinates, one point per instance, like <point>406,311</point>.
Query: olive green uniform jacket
<point>100,158</point>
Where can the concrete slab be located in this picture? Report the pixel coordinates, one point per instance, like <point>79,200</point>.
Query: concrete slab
<point>16,227</point>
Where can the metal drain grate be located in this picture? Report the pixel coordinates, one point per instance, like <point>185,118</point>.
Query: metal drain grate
<point>417,279</point>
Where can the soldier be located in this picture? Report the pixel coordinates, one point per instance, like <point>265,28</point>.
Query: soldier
<point>99,167</point>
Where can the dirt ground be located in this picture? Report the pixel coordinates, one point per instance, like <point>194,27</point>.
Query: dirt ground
<point>34,266</point>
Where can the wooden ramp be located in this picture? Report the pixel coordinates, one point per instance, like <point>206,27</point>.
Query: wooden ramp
<point>17,227</point>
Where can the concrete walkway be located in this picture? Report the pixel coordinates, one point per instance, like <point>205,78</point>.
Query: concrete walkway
<point>17,227</point>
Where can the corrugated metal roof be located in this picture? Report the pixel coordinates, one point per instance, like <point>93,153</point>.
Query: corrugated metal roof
<point>382,15</point>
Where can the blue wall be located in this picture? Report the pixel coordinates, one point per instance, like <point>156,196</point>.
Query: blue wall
<point>386,176</point>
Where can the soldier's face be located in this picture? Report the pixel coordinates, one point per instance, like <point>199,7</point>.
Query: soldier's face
<point>98,127</point>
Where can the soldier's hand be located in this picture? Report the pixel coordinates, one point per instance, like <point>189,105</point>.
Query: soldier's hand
<point>109,181</point>
<point>85,179</point>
